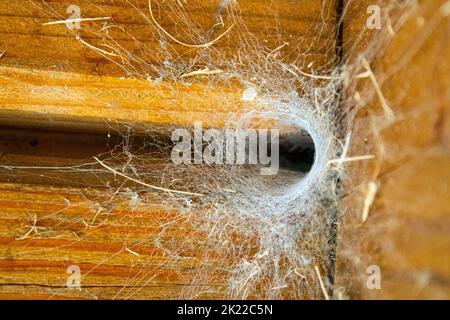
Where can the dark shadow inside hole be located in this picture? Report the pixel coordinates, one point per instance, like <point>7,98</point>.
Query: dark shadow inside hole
<point>297,152</point>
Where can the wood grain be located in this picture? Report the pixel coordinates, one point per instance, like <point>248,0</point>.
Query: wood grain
<point>50,81</point>
<point>58,102</point>
<point>49,77</point>
<point>407,231</point>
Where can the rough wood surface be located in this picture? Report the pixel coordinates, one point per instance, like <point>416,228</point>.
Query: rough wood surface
<point>407,230</point>
<point>49,80</point>
<point>49,77</point>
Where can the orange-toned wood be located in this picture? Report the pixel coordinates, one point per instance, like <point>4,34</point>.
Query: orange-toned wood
<point>406,233</point>
<point>114,251</point>
<point>82,102</point>
<point>49,80</point>
<point>49,77</point>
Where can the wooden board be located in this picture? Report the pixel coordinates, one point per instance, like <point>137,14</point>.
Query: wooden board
<point>50,81</point>
<point>407,231</point>
<point>49,77</point>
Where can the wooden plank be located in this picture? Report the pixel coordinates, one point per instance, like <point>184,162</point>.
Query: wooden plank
<point>114,250</point>
<point>50,81</point>
<point>64,100</point>
<point>406,233</point>
<point>50,77</point>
